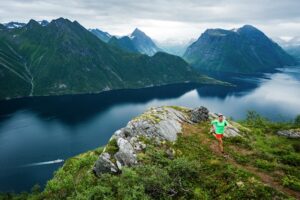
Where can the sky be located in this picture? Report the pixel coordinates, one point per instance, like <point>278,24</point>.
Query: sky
<point>166,21</point>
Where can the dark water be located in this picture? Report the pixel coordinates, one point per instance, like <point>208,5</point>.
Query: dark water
<point>35,132</point>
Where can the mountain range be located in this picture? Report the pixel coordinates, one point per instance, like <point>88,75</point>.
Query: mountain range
<point>137,42</point>
<point>62,57</point>
<point>293,50</point>
<point>244,50</point>
<point>291,46</point>
<point>104,36</point>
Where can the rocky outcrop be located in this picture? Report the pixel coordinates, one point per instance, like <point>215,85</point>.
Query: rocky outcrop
<point>158,124</point>
<point>199,114</point>
<point>292,133</point>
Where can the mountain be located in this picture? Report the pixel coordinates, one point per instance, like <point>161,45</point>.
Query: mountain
<point>124,43</point>
<point>137,41</point>
<point>43,22</point>
<point>245,50</point>
<point>175,47</point>
<point>169,153</point>
<point>143,43</point>
<point>12,25</point>
<point>104,36</point>
<point>293,50</point>
<point>291,46</point>
<point>65,58</point>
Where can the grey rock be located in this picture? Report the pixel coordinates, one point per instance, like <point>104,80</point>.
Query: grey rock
<point>157,124</point>
<point>199,114</point>
<point>292,133</point>
<point>126,155</point>
<point>104,165</point>
<point>119,165</point>
<point>170,153</point>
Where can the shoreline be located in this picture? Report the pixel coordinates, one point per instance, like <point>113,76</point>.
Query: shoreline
<point>221,83</point>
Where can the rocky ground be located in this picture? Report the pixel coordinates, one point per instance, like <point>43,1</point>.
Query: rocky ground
<point>158,124</point>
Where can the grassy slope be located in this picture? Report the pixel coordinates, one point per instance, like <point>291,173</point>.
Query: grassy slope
<point>261,165</point>
<point>13,76</point>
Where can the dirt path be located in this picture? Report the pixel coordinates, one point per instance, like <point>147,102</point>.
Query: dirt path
<point>265,178</point>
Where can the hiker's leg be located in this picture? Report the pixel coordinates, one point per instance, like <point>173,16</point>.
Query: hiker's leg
<point>221,145</point>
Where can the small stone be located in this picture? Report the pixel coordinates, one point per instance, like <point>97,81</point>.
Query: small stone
<point>170,153</point>
<point>119,165</point>
<point>240,184</point>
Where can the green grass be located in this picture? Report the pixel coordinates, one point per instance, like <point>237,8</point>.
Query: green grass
<point>112,147</point>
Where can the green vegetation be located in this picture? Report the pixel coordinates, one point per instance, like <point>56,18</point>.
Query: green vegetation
<point>291,182</point>
<point>297,120</point>
<point>112,147</point>
<point>65,58</point>
<point>259,165</point>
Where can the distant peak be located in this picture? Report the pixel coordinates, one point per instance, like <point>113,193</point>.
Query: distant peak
<point>137,32</point>
<point>12,25</point>
<point>43,22</point>
<point>61,19</point>
<point>248,27</point>
<point>61,22</point>
<point>32,23</point>
<point>217,32</point>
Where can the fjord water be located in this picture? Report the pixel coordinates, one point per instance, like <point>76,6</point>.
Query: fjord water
<point>36,134</point>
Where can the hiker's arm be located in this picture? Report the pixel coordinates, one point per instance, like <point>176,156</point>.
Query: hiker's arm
<point>213,128</point>
<point>226,123</point>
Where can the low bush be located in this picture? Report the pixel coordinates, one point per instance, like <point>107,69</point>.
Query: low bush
<point>291,159</point>
<point>263,164</point>
<point>291,182</point>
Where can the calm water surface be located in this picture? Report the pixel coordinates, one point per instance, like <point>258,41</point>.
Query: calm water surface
<point>36,132</point>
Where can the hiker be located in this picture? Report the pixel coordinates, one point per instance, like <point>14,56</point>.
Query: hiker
<point>218,127</point>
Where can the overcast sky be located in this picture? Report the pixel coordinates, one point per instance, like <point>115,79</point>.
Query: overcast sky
<point>163,20</point>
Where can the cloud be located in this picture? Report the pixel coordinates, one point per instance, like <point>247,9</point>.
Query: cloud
<point>163,19</point>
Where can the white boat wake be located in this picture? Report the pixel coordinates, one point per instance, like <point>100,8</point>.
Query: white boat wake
<point>43,163</point>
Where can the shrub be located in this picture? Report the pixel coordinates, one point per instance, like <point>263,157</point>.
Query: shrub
<point>112,147</point>
<point>200,194</point>
<point>291,159</point>
<point>242,159</point>
<point>297,120</point>
<point>296,147</point>
<point>255,120</point>
<point>263,164</point>
<point>240,141</point>
<point>291,182</point>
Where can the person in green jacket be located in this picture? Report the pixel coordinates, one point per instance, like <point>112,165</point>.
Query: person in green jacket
<point>218,127</point>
